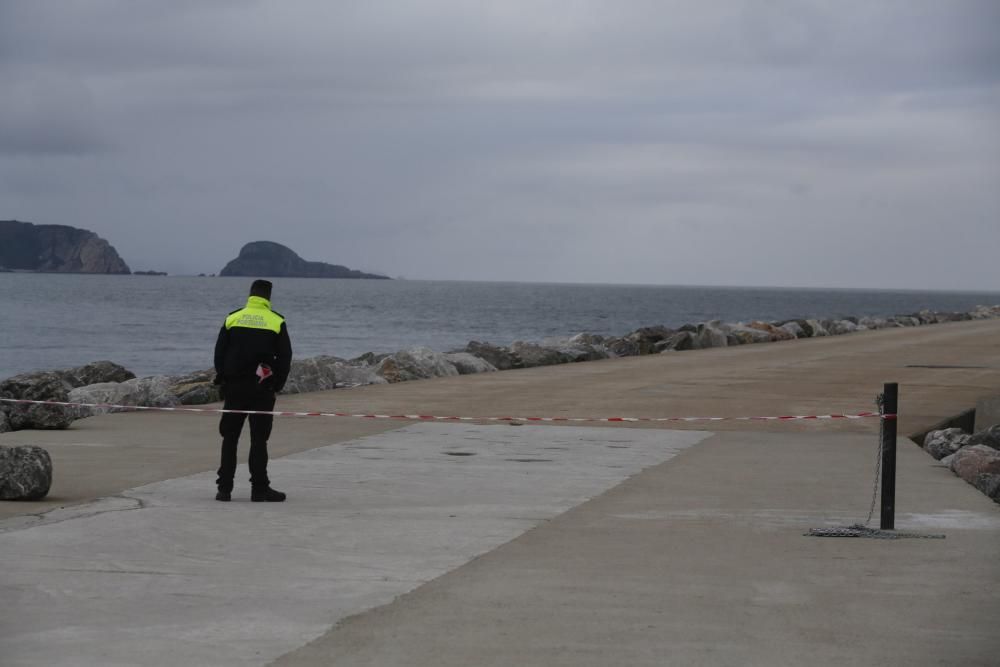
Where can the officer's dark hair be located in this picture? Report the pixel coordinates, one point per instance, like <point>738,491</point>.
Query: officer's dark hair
<point>261,288</point>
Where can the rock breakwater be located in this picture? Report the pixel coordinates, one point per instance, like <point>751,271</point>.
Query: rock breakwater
<point>105,382</point>
<point>975,457</point>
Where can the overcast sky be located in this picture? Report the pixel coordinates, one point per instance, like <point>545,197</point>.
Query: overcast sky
<point>845,143</point>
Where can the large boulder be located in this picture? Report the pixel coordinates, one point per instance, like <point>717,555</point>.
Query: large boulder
<point>415,363</point>
<point>945,442</point>
<point>368,359</point>
<point>195,388</point>
<point>878,323</point>
<point>676,342</point>
<point>54,386</point>
<point>587,339</point>
<point>41,386</point>
<point>985,312</point>
<point>644,340</point>
<point>98,371</point>
<point>951,317</point>
<point>4,422</point>
<point>743,334</point>
<point>25,473</point>
<point>576,349</point>
<point>152,391</point>
<point>840,327</point>
<point>622,347</point>
<point>354,375</point>
<point>775,332</point>
<point>312,374</point>
<point>814,328</point>
<point>794,329</point>
<point>988,436</point>
<point>498,357</point>
<point>709,334</point>
<point>979,465</point>
<point>469,364</point>
<point>532,355</point>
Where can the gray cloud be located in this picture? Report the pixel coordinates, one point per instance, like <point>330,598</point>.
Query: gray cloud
<point>639,141</point>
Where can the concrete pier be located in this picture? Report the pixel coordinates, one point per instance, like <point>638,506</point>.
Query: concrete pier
<point>458,544</point>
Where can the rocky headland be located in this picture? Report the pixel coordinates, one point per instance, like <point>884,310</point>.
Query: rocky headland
<point>273,260</point>
<point>25,246</point>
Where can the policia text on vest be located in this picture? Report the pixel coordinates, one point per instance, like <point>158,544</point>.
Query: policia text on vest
<point>253,355</point>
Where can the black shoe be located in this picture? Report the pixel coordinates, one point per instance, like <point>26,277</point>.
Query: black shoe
<point>224,496</point>
<point>267,495</point>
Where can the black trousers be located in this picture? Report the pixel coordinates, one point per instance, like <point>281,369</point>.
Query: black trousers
<point>245,397</point>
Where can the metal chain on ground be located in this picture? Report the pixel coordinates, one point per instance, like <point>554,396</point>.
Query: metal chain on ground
<point>858,530</point>
<point>862,530</point>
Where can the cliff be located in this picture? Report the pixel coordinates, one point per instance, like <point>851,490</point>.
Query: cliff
<point>273,260</point>
<point>56,249</point>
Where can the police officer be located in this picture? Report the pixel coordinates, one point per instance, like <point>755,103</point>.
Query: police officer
<point>253,355</point>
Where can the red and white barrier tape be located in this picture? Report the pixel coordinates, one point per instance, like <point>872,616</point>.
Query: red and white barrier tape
<point>859,415</point>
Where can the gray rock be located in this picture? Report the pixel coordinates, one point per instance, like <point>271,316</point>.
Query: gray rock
<point>25,473</point>
<point>312,374</point>
<point>815,328</point>
<point>587,339</point>
<point>988,436</point>
<point>840,327</point>
<point>198,394</point>
<point>677,342</point>
<point>532,355</point>
<point>709,334</point>
<point>905,321</point>
<point>498,357</point>
<point>353,375</point>
<point>469,364</point>
<point>368,359</point>
<point>98,371</point>
<point>42,386</point>
<point>985,312</point>
<point>742,334</point>
<point>941,317</point>
<point>577,351</point>
<point>945,442</point>
<point>4,423</point>
<point>152,391</point>
<point>795,329</point>
<point>979,465</point>
<point>876,323</point>
<point>416,363</point>
<point>621,347</point>
<point>644,340</point>
<point>195,388</point>
<point>773,330</point>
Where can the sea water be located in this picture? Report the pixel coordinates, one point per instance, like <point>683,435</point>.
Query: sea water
<point>168,324</point>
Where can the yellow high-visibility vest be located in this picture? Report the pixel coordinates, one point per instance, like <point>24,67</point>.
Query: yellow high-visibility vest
<point>256,315</point>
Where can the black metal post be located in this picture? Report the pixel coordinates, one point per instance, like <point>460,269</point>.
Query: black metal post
<point>890,406</point>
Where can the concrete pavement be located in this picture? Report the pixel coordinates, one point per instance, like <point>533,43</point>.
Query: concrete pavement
<point>703,561</point>
<point>699,559</point>
<point>165,575</point>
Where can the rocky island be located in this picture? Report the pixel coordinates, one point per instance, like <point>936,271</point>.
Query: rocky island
<point>273,260</point>
<point>25,246</point>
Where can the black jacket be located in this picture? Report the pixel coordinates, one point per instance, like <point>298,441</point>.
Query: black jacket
<point>251,336</point>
